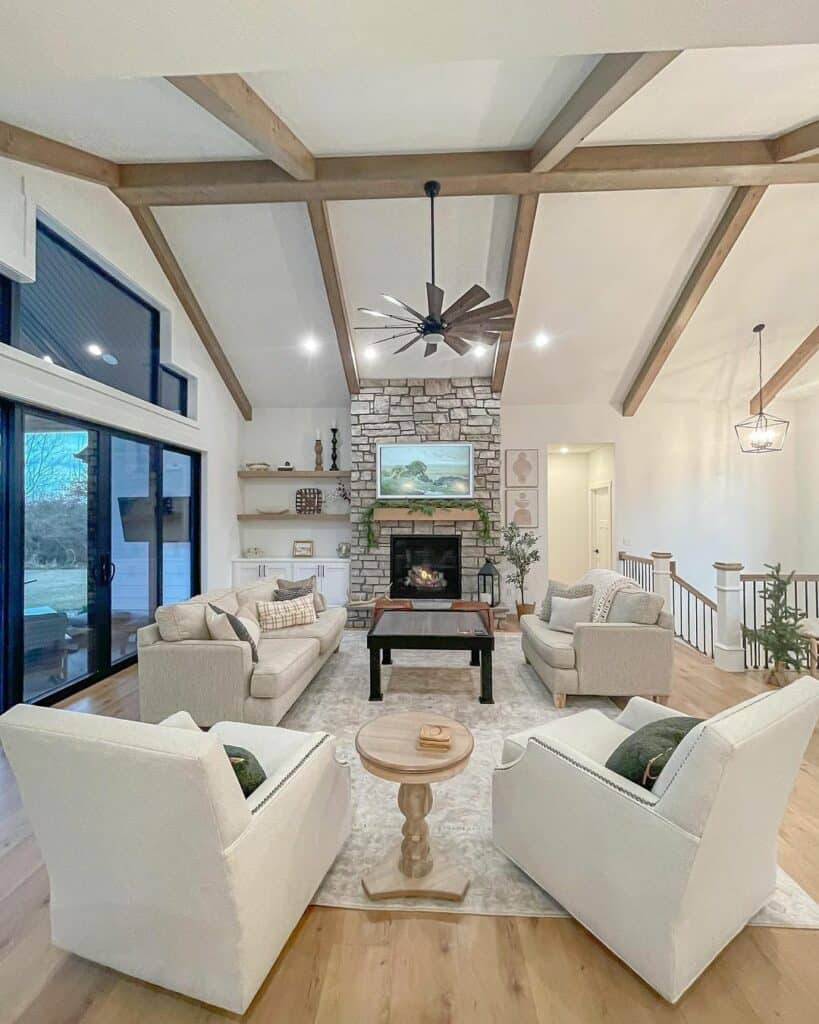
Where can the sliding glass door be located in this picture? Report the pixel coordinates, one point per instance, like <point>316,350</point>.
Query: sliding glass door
<point>101,528</point>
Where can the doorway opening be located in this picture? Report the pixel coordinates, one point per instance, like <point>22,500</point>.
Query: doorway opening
<point>580,509</point>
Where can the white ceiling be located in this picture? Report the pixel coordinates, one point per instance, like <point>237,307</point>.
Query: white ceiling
<point>255,272</point>
<point>123,120</point>
<point>383,246</point>
<point>720,94</point>
<point>459,105</point>
<point>119,39</point>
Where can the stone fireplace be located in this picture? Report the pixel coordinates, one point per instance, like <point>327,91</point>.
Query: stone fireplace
<point>419,410</point>
<point>425,567</point>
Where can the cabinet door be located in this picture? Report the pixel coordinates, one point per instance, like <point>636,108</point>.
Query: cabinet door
<point>304,570</point>
<point>334,583</point>
<point>246,573</point>
<point>276,570</point>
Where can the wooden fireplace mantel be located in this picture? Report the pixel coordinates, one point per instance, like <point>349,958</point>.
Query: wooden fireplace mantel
<point>438,514</point>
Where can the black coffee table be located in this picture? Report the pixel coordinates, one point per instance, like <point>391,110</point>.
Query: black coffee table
<point>430,631</point>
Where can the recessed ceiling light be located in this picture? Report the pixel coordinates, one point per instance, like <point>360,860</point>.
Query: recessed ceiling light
<point>370,353</point>
<point>541,340</point>
<point>111,360</point>
<point>94,349</point>
<point>479,350</point>
<point>310,344</point>
<point>48,359</point>
<point>564,450</point>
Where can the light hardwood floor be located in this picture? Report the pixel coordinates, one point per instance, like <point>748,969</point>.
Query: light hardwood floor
<point>412,968</point>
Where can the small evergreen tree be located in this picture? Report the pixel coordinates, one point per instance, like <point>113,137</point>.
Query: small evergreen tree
<point>780,636</point>
<point>520,550</point>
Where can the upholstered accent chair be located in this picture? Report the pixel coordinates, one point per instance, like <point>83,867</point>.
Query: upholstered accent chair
<point>159,867</point>
<point>665,878</point>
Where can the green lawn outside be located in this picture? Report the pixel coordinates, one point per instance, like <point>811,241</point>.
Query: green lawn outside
<point>64,590</point>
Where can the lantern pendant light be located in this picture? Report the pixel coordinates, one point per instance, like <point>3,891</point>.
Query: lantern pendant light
<point>761,432</point>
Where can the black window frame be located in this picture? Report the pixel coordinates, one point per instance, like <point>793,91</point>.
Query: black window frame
<point>10,330</point>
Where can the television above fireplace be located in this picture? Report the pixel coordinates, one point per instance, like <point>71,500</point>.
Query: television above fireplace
<point>434,470</point>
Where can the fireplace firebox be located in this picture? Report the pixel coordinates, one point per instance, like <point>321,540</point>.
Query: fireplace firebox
<point>425,567</point>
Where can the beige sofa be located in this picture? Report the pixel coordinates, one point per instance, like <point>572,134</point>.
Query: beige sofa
<point>216,680</point>
<point>601,658</point>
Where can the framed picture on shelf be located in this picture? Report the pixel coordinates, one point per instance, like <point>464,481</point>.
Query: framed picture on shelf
<point>521,467</point>
<point>522,507</point>
<point>302,549</point>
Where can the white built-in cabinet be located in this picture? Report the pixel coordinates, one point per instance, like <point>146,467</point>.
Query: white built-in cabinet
<point>332,574</point>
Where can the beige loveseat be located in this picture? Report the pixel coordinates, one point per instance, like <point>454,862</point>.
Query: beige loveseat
<point>216,680</point>
<point>601,658</point>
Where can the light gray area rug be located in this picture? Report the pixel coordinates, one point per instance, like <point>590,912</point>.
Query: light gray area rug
<point>460,821</point>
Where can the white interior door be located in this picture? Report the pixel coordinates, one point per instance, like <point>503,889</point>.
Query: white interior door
<point>600,527</point>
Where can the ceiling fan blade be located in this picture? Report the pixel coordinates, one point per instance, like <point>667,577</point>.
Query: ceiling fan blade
<point>386,316</point>
<point>430,349</point>
<point>459,345</point>
<point>503,307</point>
<point>435,298</point>
<point>499,325</point>
<point>471,297</point>
<point>403,305</point>
<point>400,334</point>
<point>473,334</point>
<point>409,344</point>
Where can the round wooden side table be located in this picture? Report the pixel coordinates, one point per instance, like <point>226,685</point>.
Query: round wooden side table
<point>388,748</point>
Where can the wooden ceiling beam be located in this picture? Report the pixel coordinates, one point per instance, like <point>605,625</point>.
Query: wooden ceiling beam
<point>147,224</point>
<point>518,255</point>
<point>504,172</point>
<point>335,297</point>
<point>787,371</point>
<point>727,230</point>
<point>39,151</point>
<point>232,101</point>
<point>799,144</point>
<point>613,80</point>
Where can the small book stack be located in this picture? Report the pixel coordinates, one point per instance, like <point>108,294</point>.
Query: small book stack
<point>434,737</point>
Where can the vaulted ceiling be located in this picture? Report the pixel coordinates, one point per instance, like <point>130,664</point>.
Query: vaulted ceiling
<point>605,267</point>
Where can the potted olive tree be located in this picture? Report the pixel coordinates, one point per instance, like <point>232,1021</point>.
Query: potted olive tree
<point>780,636</point>
<point>520,550</point>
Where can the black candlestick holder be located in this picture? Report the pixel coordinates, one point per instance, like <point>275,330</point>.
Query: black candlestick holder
<point>334,449</point>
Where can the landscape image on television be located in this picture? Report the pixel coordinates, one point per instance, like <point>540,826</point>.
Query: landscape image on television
<point>425,470</point>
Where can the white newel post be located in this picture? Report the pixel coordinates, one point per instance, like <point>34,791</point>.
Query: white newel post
<point>662,576</point>
<point>729,650</point>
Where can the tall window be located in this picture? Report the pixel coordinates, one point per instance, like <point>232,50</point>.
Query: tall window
<point>76,315</point>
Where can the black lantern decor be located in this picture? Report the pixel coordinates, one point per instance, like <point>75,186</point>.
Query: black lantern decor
<point>489,584</point>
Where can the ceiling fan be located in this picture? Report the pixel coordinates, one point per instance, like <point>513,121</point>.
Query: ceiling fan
<point>459,326</point>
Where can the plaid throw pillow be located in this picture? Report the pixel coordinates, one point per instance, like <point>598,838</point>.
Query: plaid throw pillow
<point>301,611</point>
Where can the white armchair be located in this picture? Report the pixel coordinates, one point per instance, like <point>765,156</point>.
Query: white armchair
<point>158,865</point>
<point>664,878</point>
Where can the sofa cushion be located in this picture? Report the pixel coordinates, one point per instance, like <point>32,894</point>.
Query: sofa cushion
<point>299,587</point>
<point>635,606</point>
<point>589,732</point>
<point>568,611</point>
<point>556,649</point>
<point>226,626</point>
<point>555,589</point>
<point>326,629</point>
<point>276,615</point>
<point>187,621</point>
<point>281,663</point>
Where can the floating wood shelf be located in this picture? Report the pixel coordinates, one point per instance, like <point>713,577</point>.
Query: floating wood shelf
<point>293,474</point>
<point>438,514</point>
<point>268,517</point>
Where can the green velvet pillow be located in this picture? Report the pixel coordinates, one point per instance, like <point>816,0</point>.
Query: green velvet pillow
<point>248,770</point>
<point>645,753</point>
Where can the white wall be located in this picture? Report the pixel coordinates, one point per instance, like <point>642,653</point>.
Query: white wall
<point>681,482</point>
<point>101,222</point>
<point>567,525</point>
<point>805,435</point>
<point>279,435</point>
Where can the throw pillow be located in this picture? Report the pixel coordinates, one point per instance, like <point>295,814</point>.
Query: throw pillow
<point>568,611</point>
<point>635,606</point>
<point>298,588</point>
<point>643,755</point>
<point>562,590</point>
<point>273,615</point>
<point>184,621</point>
<point>249,773</point>
<point>224,625</point>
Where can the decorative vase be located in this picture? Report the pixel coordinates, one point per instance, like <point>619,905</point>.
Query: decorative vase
<point>525,609</point>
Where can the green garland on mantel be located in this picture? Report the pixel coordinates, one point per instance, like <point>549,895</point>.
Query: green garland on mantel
<point>426,506</point>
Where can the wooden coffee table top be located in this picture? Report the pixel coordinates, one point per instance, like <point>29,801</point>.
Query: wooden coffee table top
<point>388,748</point>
